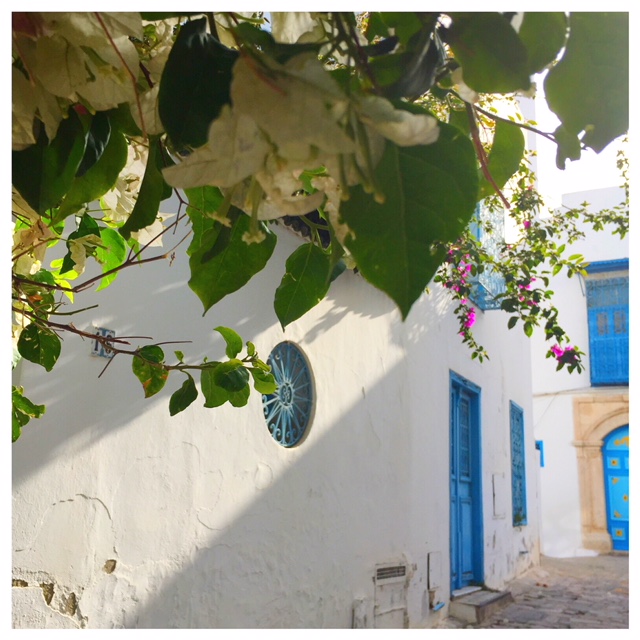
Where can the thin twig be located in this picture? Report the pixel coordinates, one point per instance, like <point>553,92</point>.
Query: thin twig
<point>482,156</point>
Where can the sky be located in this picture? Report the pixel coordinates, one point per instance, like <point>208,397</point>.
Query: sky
<point>592,171</point>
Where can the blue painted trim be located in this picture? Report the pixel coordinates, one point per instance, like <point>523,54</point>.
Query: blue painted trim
<point>458,382</point>
<point>463,382</point>
<point>608,265</point>
<point>540,448</point>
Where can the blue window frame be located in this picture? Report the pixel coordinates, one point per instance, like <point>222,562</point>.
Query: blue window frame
<point>608,317</point>
<point>488,227</point>
<point>518,479</point>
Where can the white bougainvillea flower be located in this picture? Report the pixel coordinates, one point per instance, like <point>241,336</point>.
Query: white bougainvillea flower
<point>157,56</point>
<point>331,189</point>
<point>29,243</point>
<point>401,127</point>
<point>71,56</point>
<point>253,236</point>
<point>78,248</point>
<point>294,105</point>
<point>291,26</point>
<point>149,107</point>
<point>119,201</point>
<point>465,92</point>
<point>149,236</point>
<point>236,149</point>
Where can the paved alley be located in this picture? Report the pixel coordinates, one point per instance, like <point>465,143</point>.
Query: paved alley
<point>565,593</point>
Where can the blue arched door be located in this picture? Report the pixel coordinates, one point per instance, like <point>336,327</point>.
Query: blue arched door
<point>615,457</point>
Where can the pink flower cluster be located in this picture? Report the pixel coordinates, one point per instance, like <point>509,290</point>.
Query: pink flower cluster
<point>470,319</point>
<point>567,355</point>
<point>527,287</point>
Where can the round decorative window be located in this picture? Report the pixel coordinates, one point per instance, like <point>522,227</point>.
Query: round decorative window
<point>288,411</point>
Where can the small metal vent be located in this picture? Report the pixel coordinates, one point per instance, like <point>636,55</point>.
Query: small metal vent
<point>387,573</point>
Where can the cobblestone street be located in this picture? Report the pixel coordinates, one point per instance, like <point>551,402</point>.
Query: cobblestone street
<point>565,593</point>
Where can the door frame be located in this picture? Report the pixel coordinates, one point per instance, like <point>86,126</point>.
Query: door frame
<point>457,385</point>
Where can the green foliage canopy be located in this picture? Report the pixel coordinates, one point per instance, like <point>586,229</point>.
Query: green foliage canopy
<point>367,128</point>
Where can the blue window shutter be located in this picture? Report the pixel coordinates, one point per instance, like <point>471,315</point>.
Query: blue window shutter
<point>608,316</point>
<point>488,227</point>
<point>518,480</point>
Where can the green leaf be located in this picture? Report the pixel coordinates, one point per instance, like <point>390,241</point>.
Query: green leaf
<point>88,226</point>
<point>233,340</point>
<point>251,349</point>
<point>264,41</point>
<point>505,156</point>
<point>513,320</point>
<point>492,57</point>
<point>97,140</point>
<point>459,118</point>
<point>98,179</point>
<point>195,85</point>
<point>528,329</point>
<point>568,146</point>
<point>152,192</point>
<point>430,195</point>
<point>240,398</point>
<point>165,15</point>
<point>22,411</point>
<point>111,256</point>
<point>39,345</point>
<point>304,284</point>
<point>183,397</point>
<point>43,172</point>
<point>147,367</point>
<point>231,375</point>
<point>203,203</point>
<point>263,382</point>
<point>214,395</point>
<point>543,34</point>
<point>589,88</point>
<point>404,24</point>
<point>223,262</point>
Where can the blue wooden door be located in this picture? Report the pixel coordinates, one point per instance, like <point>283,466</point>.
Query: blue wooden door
<point>465,492</point>
<point>615,456</point>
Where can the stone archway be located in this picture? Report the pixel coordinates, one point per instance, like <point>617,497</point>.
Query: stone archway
<point>594,417</point>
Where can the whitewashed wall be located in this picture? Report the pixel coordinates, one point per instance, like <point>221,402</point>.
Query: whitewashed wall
<point>210,522</point>
<point>554,392</point>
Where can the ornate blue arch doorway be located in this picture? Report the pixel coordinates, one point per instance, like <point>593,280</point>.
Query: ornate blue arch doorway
<point>615,458</point>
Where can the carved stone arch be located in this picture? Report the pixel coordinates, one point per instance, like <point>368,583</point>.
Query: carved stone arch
<point>594,417</point>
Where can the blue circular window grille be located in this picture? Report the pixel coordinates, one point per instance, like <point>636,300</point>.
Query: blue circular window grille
<point>288,410</point>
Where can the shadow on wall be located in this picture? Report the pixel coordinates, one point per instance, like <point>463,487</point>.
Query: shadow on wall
<point>171,313</point>
<point>317,521</point>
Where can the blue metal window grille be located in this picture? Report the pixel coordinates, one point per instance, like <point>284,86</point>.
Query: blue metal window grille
<point>518,481</point>
<point>488,226</point>
<point>608,317</point>
<point>288,411</point>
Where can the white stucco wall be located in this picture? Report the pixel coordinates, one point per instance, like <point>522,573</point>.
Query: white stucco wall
<point>554,392</point>
<point>210,522</point>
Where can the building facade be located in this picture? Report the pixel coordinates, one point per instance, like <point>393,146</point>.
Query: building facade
<point>582,420</point>
<point>416,475</point>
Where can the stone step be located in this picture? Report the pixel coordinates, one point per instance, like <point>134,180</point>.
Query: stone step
<point>477,606</point>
